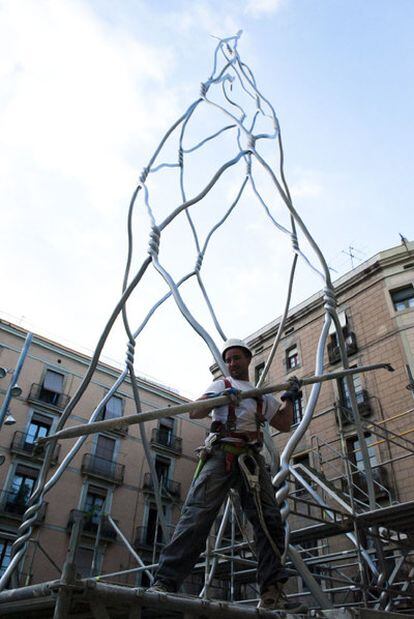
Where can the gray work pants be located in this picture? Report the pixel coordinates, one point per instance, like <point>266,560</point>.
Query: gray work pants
<point>205,497</point>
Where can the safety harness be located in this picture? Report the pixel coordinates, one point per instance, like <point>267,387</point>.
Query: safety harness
<point>228,428</point>
<point>243,450</point>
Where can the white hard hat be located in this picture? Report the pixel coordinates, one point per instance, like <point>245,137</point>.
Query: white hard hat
<point>234,342</point>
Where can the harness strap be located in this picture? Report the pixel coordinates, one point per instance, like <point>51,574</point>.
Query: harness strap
<point>231,415</point>
<point>260,418</point>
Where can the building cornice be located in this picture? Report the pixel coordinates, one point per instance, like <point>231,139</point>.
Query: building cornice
<point>112,372</point>
<point>377,264</point>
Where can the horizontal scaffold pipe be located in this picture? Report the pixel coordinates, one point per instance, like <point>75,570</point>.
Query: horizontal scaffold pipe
<point>31,592</point>
<point>198,405</point>
<point>116,594</point>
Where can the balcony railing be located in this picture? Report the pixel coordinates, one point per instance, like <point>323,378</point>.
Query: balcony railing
<point>14,504</point>
<point>38,394</point>
<point>144,538</point>
<point>164,438</point>
<point>100,467</point>
<point>22,446</point>
<point>168,486</point>
<point>334,352</point>
<point>91,524</point>
<point>345,410</point>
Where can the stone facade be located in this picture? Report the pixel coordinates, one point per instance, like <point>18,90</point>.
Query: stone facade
<point>109,473</point>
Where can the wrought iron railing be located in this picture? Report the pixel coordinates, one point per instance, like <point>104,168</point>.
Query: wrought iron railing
<point>100,467</point>
<point>91,524</point>
<point>334,352</point>
<point>22,444</point>
<point>166,439</point>
<point>167,485</point>
<point>14,503</point>
<point>46,397</point>
<point>144,538</point>
<point>345,410</point>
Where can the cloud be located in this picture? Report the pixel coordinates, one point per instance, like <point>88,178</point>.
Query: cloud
<point>260,8</point>
<point>74,98</point>
<point>205,17</point>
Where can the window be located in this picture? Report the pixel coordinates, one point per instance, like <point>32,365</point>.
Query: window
<point>166,431</point>
<point>297,411</point>
<point>84,558</point>
<point>292,357</point>
<point>21,488</point>
<point>355,453</point>
<point>105,447</point>
<point>344,394</point>
<point>103,461</point>
<point>258,371</point>
<point>153,531</point>
<point>403,298</point>
<point>39,427</point>
<point>114,408</point>
<point>52,387</point>
<point>334,352</point>
<point>343,321</point>
<point>5,554</point>
<point>94,503</point>
<point>162,467</point>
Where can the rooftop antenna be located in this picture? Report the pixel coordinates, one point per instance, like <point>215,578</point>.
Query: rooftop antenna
<point>404,241</point>
<point>350,254</point>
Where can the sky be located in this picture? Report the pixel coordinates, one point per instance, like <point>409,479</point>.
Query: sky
<point>89,88</point>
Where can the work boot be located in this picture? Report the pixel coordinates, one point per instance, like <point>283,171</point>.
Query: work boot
<point>275,599</point>
<point>159,587</point>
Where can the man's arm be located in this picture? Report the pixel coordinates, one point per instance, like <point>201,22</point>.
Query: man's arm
<point>200,414</point>
<point>282,420</point>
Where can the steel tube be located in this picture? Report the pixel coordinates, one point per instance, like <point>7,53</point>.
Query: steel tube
<point>174,602</point>
<point>99,426</point>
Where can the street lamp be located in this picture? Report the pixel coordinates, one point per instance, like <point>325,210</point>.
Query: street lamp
<point>9,420</point>
<point>13,388</point>
<point>16,391</point>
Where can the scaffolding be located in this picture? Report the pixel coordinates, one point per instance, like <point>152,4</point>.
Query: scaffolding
<point>349,543</point>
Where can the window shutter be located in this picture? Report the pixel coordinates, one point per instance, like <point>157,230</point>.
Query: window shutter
<point>113,408</point>
<point>53,381</point>
<point>26,471</point>
<point>43,419</point>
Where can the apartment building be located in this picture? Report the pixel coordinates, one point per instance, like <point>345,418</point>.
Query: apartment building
<point>376,313</point>
<point>108,476</point>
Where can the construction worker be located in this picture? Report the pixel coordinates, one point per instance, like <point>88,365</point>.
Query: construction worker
<point>229,459</point>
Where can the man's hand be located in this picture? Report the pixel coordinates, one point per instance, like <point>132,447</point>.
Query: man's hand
<point>233,394</point>
<point>294,392</point>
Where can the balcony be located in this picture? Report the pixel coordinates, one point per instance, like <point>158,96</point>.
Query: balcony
<point>364,407</point>
<point>334,352</point>
<point>91,524</point>
<point>104,469</point>
<point>168,486</point>
<point>48,399</point>
<point>144,539</point>
<point>14,505</point>
<point>23,447</point>
<point>164,439</point>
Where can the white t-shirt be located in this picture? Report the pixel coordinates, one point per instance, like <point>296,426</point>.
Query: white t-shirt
<point>246,411</point>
